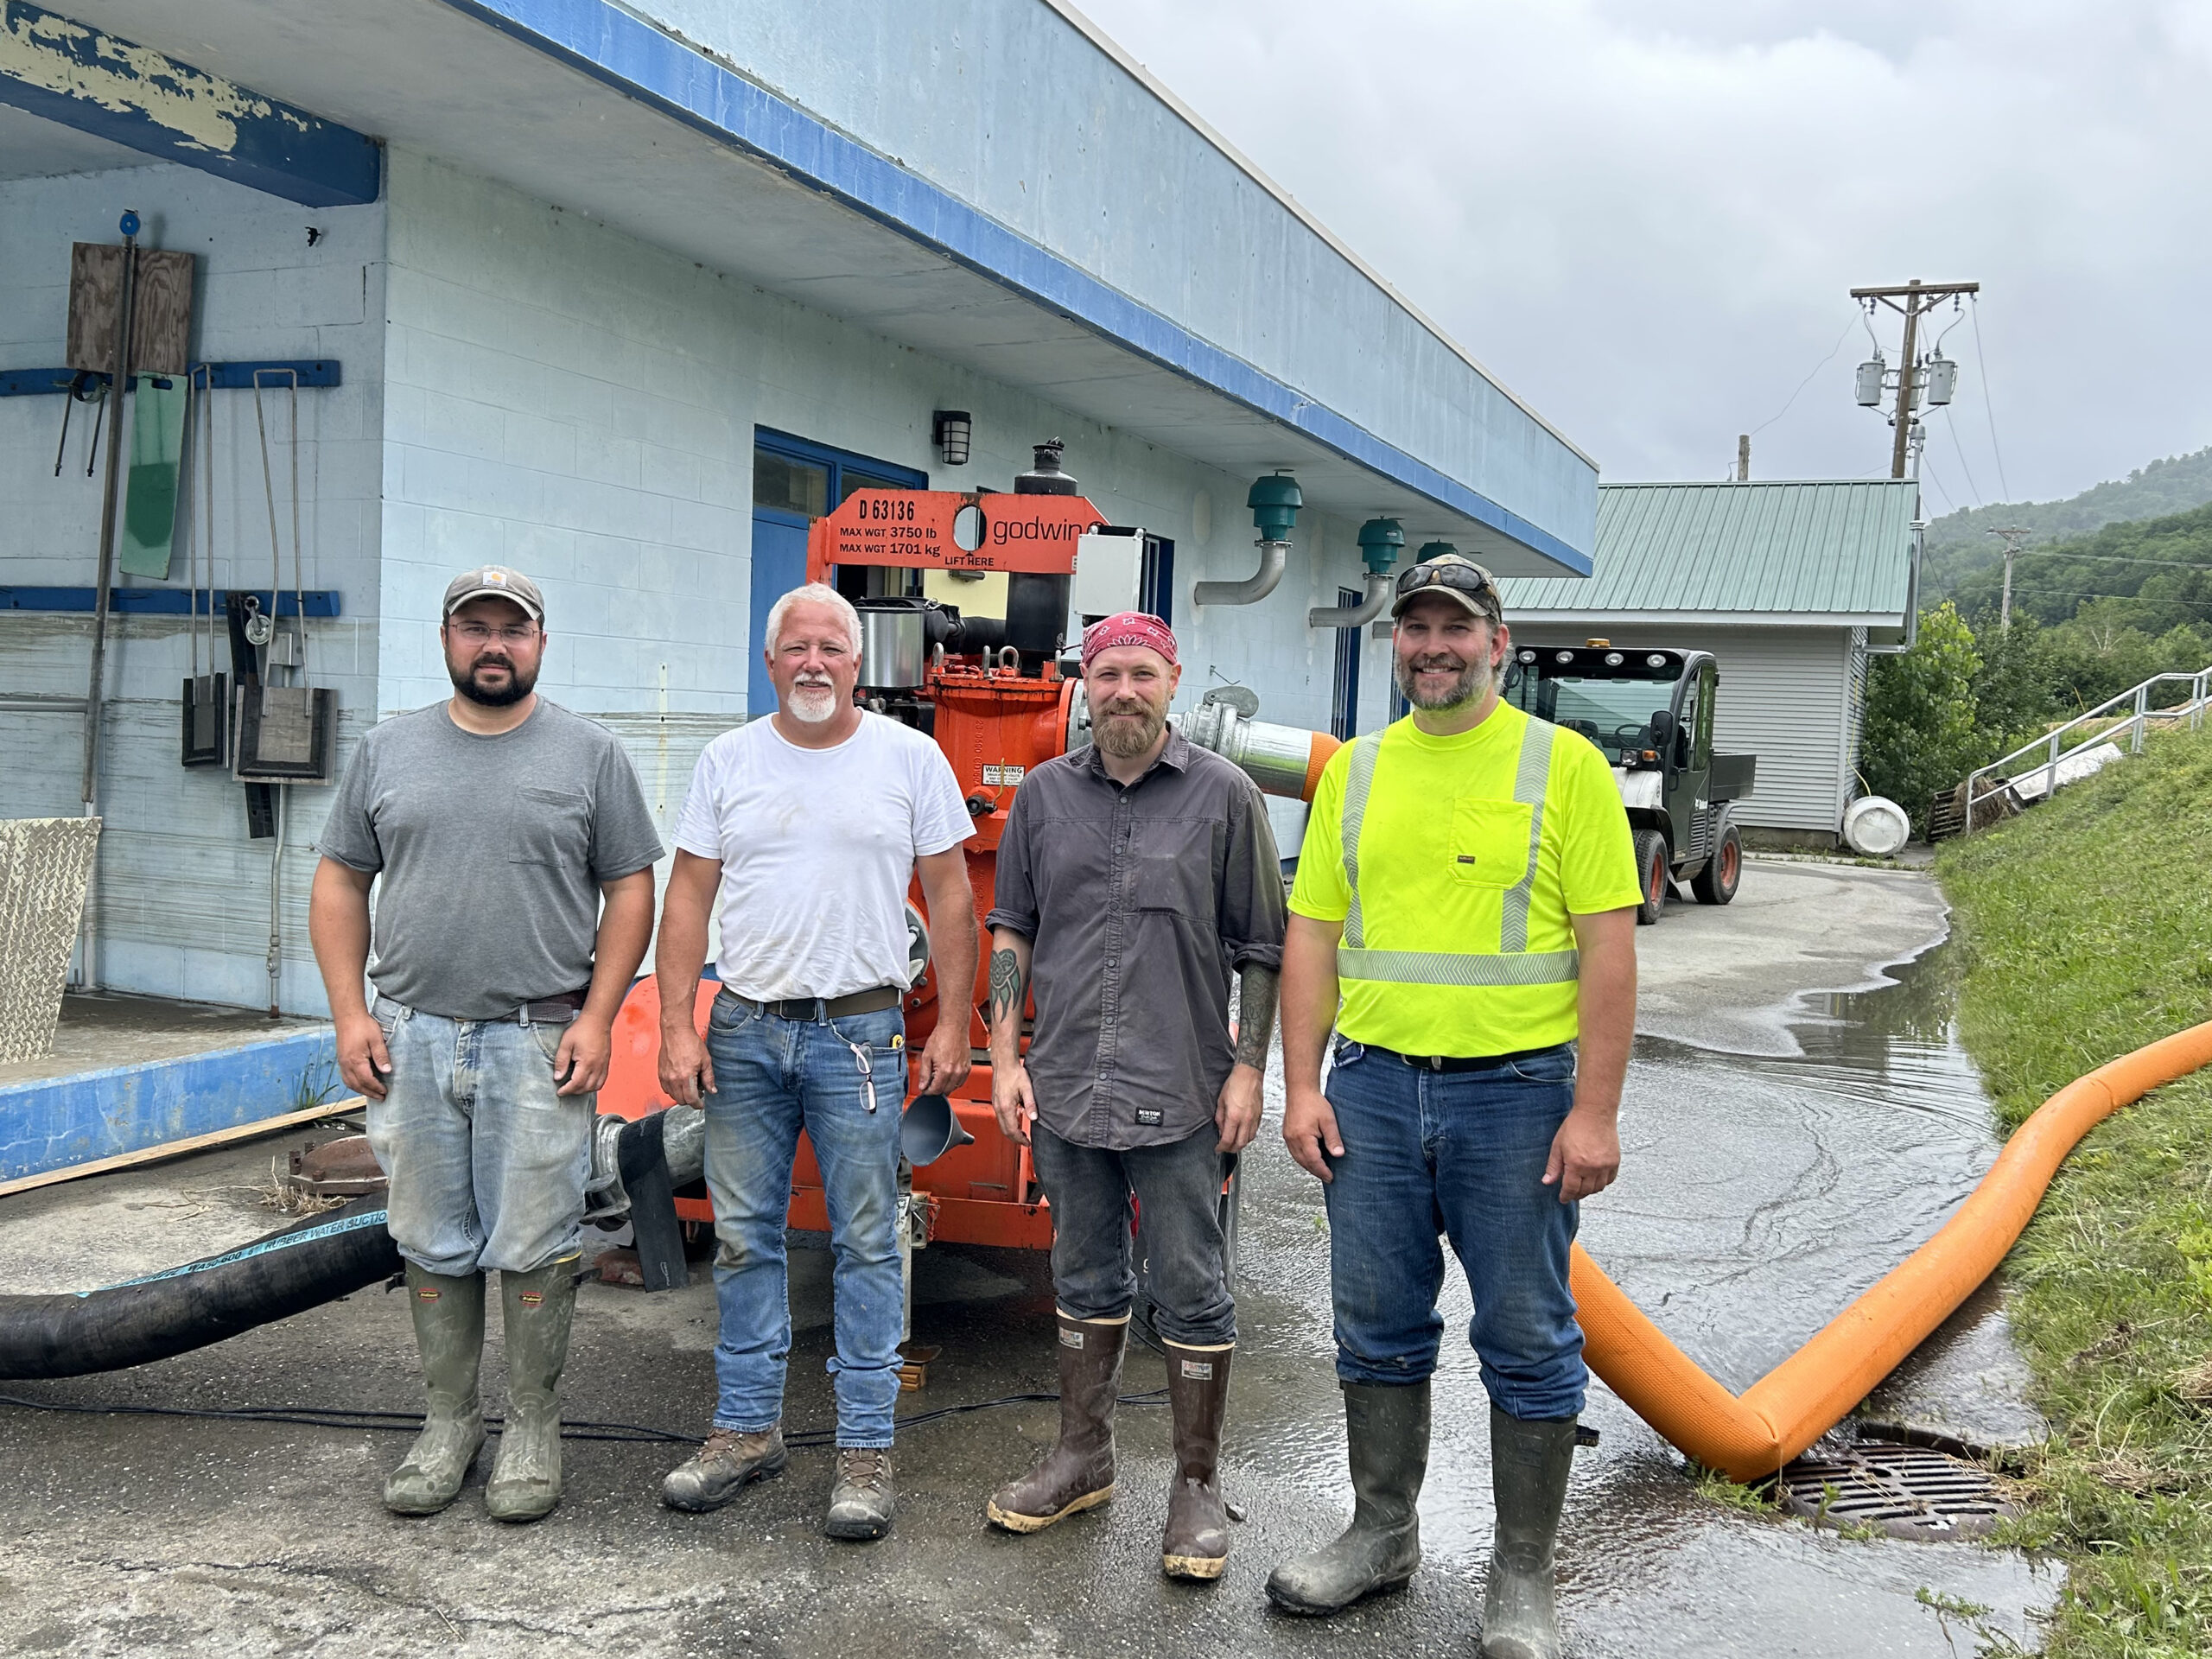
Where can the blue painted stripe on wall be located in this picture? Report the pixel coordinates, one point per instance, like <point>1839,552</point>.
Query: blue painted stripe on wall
<point>623,51</point>
<point>276,148</point>
<point>59,1122</point>
<point>166,602</point>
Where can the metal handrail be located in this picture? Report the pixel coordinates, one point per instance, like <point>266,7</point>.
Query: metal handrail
<point>2134,720</point>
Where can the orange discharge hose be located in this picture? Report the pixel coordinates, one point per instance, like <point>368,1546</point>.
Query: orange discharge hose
<point>1750,1437</point>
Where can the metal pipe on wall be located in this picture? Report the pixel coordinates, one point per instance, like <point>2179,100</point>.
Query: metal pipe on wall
<point>1255,588</point>
<point>1379,583</point>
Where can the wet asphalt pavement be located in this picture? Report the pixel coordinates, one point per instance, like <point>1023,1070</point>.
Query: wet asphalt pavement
<point>1761,1189</point>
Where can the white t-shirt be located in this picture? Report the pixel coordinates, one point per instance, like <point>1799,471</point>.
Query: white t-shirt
<point>816,848</point>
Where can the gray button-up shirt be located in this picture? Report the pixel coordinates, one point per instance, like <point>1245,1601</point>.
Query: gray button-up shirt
<point>1139,902</point>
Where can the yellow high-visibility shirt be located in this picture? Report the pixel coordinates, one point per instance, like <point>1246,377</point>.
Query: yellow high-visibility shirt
<point>1442,845</point>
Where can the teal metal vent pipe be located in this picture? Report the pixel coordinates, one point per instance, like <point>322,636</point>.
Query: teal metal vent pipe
<point>1274,501</point>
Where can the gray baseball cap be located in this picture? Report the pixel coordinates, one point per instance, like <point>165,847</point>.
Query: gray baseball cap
<point>495,581</point>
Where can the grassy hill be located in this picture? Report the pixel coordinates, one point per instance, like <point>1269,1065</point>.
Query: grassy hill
<point>1958,544</point>
<point>2087,928</point>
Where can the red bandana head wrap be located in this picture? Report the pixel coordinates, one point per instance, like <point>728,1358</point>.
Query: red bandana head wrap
<point>1129,628</point>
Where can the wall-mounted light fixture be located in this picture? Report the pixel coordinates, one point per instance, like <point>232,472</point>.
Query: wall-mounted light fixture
<point>951,429</point>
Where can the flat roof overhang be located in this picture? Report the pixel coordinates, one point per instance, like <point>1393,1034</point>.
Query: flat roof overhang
<point>685,152</point>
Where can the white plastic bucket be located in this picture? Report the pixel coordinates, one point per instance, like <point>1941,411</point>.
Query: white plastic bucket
<point>1875,827</point>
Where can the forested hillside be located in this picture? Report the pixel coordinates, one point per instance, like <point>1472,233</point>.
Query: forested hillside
<point>1959,544</point>
<point>2152,575</point>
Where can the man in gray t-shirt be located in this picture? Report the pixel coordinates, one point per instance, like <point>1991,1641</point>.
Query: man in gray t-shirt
<point>496,823</point>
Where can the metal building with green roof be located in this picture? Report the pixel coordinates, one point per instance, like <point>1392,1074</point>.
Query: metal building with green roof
<point>1792,585</point>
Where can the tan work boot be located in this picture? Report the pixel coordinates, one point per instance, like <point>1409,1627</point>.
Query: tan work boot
<point>1196,1543</point>
<point>1078,1474</point>
<point>448,1316</point>
<point>537,1310</point>
<point>860,1498</point>
<point>713,1473</point>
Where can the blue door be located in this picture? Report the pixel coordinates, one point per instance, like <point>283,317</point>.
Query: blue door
<point>778,566</point>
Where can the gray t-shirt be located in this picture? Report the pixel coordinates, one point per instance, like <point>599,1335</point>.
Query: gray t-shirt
<point>491,850</point>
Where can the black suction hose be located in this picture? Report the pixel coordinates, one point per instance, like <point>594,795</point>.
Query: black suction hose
<point>287,1272</point>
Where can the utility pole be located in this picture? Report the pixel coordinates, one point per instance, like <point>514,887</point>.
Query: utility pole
<point>1912,301</point>
<point>1743,458</point>
<point>2012,533</point>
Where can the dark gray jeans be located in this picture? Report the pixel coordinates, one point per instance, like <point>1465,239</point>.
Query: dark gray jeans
<point>1178,1187</point>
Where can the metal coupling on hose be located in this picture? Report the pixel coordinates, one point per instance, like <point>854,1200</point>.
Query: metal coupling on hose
<point>1284,761</point>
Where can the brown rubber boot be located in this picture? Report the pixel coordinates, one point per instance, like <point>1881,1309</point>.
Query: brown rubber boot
<point>1078,1472</point>
<point>1195,1545</point>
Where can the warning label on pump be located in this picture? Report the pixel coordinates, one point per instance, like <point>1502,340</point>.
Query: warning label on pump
<point>1005,776</point>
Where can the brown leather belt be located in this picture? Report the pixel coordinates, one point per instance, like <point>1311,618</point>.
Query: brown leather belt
<point>811,1008</point>
<point>552,1010</point>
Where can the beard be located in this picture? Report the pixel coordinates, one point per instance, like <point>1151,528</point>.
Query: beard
<point>1127,729</point>
<point>1473,681</point>
<point>811,702</point>
<point>519,684</point>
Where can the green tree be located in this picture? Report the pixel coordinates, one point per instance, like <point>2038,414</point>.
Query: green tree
<point>1921,735</point>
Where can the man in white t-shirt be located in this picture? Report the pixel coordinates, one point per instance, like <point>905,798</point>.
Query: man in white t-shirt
<point>810,825</point>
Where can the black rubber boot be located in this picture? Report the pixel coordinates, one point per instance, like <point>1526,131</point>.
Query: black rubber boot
<point>1528,1465</point>
<point>1387,1431</point>
<point>537,1308</point>
<point>449,1334</point>
<point>1078,1474</point>
<point>1195,1542</point>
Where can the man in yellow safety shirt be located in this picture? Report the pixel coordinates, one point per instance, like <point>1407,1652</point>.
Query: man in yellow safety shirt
<point>1464,917</point>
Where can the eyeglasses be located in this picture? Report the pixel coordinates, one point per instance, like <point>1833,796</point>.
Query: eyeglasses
<point>518,633</point>
<point>1457,574</point>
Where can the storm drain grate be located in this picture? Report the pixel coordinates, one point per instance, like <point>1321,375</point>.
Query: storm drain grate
<point>1909,1491</point>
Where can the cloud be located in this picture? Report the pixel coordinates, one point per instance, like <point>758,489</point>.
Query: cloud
<point>1645,217</point>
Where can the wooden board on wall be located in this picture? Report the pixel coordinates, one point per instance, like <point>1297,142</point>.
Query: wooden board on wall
<point>161,308</point>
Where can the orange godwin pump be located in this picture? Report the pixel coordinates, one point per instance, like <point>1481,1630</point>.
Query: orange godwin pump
<point>963,601</point>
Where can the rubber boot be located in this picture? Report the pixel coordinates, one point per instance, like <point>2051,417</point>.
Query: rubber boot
<point>449,1334</point>
<point>1529,1465</point>
<point>1387,1428</point>
<point>537,1308</point>
<point>1078,1474</point>
<point>1196,1543</point>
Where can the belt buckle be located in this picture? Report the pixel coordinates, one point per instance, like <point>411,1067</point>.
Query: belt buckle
<point>1435,1062</point>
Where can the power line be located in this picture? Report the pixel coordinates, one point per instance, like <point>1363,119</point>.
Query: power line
<point>2111,558</point>
<point>1951,428</point>
<point>1808,380</point>
<point>1988,409</point>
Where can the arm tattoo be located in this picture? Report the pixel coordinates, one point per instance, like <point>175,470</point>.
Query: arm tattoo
<point>1256,1015</point>
<point>1009,988</point>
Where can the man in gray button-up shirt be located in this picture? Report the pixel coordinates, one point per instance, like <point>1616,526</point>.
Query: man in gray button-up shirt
<point>1133,878</point>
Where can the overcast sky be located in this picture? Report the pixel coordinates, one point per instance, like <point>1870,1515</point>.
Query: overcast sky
<point>1644,216</point>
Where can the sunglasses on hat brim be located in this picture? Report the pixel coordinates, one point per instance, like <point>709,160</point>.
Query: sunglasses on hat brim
<point>1459,578</point>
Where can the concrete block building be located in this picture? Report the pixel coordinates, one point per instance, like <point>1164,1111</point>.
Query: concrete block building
<point>624,296</point>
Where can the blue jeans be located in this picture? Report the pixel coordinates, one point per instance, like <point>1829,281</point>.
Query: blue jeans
<point>487,1159</point>
<point>773,1078</point>
<point>1178,1185</point>
<point>1463,1155</point>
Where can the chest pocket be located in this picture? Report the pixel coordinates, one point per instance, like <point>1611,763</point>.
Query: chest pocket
<point>550,826</point>
<point>1489,844</point>
<point>1174,867</point>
